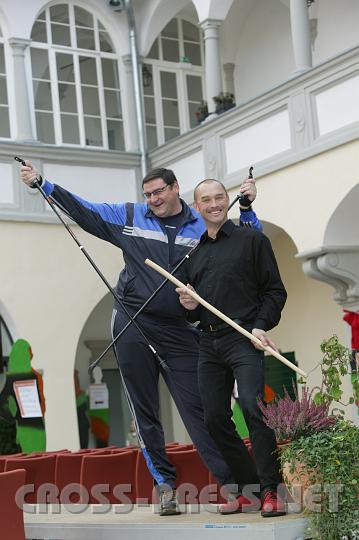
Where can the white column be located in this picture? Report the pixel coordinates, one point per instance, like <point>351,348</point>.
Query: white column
<point>129,108</point>
<point>228,69</point>
<point>212,61</point>
<point>24,130</point>
<point>300,25</point>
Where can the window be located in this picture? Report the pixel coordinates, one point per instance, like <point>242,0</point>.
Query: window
<point>173,82</point>
<point>6,342</point>
<point>4,105</point>
<point>76,88</point>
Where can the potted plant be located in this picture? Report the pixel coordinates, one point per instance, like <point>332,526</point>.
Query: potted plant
<point>322,452</point>
<point>202,112</point>
<point>224,101</point>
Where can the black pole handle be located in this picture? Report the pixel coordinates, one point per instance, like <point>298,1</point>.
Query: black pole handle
<point>243,199</point>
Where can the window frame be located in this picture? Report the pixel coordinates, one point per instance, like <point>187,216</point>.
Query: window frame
<point>76,52</point>
<point>4,43</point>
<point>181,69</point>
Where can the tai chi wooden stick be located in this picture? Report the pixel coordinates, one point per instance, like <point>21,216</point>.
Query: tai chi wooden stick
<point>224,317</point>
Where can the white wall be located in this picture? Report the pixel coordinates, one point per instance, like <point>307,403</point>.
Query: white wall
<point>301,198</point>
<point>264,49</point>
<point>95,184</point>
<point>337,27</point>
<point>189,170</point>
<point>309,316</point>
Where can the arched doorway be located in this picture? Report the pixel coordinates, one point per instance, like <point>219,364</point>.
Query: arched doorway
<point>94,338</point>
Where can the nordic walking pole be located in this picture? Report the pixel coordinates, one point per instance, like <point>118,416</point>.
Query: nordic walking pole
<point>36,183</point>
<point>224,317</point>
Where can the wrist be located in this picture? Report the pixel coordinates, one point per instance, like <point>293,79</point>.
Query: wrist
<point>39,180</point>
<point>245,208</point>
<point>244,201</point>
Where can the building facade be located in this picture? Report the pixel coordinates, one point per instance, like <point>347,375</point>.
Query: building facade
<point>68,103</point>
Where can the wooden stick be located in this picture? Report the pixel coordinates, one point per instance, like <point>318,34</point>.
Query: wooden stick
<point>224,317</point>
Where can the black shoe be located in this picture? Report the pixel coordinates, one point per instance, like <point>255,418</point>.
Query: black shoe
<point>168,503</point>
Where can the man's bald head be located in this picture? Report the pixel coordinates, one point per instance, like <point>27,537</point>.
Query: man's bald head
<point>206,181</point>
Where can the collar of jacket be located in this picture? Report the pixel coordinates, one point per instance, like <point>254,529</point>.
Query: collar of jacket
<point>189,214</point>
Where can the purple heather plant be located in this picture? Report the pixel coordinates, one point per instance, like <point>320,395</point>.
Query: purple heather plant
<point>291,419</point>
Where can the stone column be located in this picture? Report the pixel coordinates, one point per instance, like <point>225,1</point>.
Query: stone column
<point>24,131</point>
<point>228,69</point>
<point>213,68</point>
<point>300,25</point>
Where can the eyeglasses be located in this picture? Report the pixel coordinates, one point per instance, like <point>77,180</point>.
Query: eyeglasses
<point>148,194</point>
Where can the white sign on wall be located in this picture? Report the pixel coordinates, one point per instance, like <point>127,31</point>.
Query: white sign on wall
<point>98,394</point>
<point>27,398</point>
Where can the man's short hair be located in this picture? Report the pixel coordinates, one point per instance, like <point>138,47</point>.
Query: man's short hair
<point>207,181</point>
<point>167,176</point>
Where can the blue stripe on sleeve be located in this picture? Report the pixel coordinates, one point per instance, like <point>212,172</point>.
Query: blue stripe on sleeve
<point>249,219</point>
<point>111,213</point>
<point>48,187</point>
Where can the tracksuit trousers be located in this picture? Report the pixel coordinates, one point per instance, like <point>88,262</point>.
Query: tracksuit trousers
<point>178,345</point>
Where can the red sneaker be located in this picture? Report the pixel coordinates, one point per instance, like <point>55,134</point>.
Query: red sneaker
<point>272,505</point>
<point>239,504</point>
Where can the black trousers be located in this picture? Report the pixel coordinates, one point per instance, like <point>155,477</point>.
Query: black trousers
<point>225,355</point>
<point>178,345</point>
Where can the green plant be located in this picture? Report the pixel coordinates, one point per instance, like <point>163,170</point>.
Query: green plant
<point>310,412</point>
<point>202,112</point>
<point>324,449</point>
<point>226,98</point>
<point>334,366</point>
<point>332,456</point>
<point>224,101</point>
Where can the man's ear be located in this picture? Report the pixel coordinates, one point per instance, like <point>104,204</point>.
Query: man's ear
<point>195,205</point>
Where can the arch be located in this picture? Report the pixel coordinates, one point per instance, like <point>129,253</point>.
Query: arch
<point>310,314</point>
<point>116,26</point>
<point>3,23</point>
<point>9,321</point>
<point>343,225</point>
<point>255,46</point>
<point>233,26</point>
<point>93,339</point>
<point>155,18</point>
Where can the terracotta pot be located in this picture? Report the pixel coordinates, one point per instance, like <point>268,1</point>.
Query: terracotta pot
<point>300,481</point>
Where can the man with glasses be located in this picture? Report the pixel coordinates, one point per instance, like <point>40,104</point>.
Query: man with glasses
<point>164,230</point>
